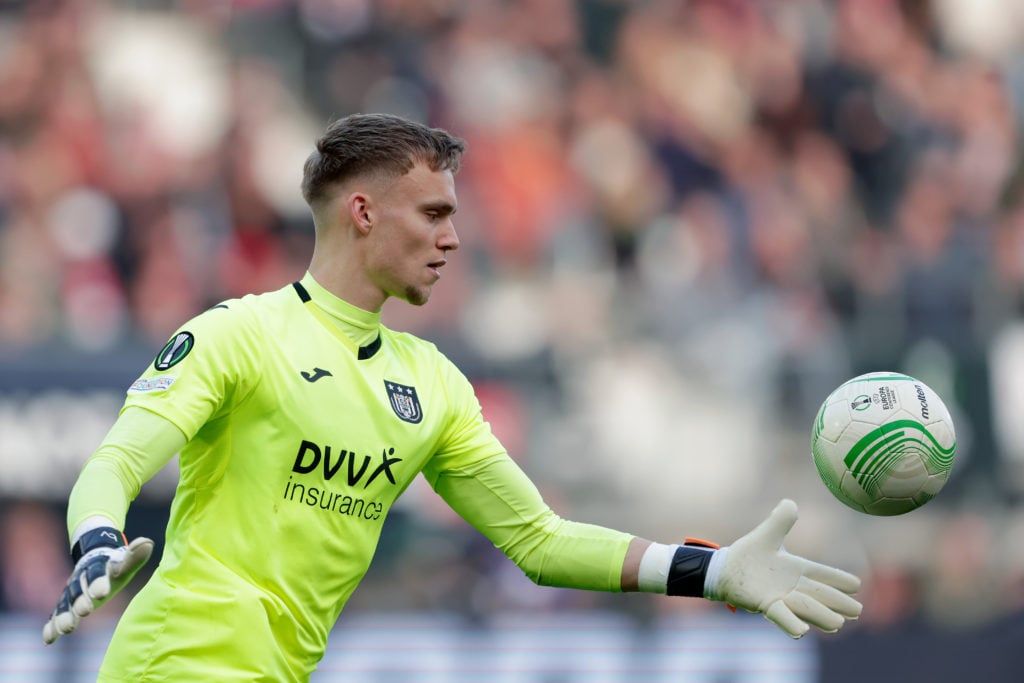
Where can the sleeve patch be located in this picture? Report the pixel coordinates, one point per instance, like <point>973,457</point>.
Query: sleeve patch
<point>174,351</point>
<point>145,385</point>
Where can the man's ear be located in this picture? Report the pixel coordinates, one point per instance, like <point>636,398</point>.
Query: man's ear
<point>358,205</point>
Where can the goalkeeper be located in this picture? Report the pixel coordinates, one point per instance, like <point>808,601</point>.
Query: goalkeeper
<point>299,419</point>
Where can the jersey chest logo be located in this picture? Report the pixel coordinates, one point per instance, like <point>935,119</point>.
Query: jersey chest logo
<point>404,402</point>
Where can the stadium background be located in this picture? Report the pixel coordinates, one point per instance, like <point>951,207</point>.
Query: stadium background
<point>683,223</point>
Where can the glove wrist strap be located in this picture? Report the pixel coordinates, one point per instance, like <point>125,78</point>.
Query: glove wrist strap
<point>102,537</point>
<point>688,569</point>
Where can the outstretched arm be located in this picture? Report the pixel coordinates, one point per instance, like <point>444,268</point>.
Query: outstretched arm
<point>498,499</point>
<point>755,573</point>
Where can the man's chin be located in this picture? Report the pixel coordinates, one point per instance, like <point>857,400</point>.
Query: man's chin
<point>417,296</point>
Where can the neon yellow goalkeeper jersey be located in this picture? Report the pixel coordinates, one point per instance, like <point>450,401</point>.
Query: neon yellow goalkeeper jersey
<point>299,443</point>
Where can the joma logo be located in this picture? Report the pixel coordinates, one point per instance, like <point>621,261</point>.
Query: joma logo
<point>310,456</point>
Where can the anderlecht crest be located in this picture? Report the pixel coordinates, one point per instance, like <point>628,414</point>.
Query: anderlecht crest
<point>404,401</point>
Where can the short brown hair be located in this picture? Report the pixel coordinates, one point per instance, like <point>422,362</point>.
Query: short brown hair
<point>376,143</point>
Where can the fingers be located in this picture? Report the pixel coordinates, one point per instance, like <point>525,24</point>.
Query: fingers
<point>831,597</point>
<point>93,584</point>
<point>799,611</point>
<point>813,612</point>
<point>812,604</point>
<point>844,581</point>
<point>782,616</point>
<point>50,634</point>
<point>63,619</point>
<point>771,532</point>
<point>97,579</point>
<point>77,590</point>
<point>92,596</point>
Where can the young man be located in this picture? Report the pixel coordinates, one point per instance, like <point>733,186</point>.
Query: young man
<point>300,419</point>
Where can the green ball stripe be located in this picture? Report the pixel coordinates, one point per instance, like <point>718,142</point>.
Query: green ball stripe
<point>875,454</point>
<point>883,466</point>
<point>885,457</point>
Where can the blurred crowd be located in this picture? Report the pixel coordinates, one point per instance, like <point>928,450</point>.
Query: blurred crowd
<point>683,223</point>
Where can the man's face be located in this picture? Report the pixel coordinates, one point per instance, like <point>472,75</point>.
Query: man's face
<point>413,233</point>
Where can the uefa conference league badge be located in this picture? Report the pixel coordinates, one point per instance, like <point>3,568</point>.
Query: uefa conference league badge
<point>404,402</point>
<point>174,351</point>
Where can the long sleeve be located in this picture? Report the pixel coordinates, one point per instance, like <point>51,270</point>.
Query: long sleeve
<point>138,445</point>
<point>500,501</point>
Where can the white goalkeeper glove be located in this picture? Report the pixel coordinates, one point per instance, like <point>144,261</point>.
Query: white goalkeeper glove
<point>757,574</point>
<point>104,563</point>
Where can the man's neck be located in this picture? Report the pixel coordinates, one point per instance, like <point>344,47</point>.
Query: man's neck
<point>346,281</point>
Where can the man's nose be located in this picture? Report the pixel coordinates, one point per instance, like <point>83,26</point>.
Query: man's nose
<point>449,239</point>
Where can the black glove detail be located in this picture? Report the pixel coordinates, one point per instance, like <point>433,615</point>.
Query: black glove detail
<point>687,571</point>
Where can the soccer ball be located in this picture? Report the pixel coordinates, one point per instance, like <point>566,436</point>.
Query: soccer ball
<point>883,443</point>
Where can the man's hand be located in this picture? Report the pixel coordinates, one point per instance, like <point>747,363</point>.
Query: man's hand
<point>104,563</point>
<point>757,574</point>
